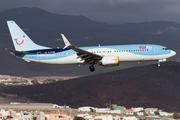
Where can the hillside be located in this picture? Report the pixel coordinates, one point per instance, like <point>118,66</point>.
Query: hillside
<point>44,27</point>
<point>147,86</point>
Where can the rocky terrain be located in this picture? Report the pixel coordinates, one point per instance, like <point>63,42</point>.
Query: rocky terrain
<point>146,86</point>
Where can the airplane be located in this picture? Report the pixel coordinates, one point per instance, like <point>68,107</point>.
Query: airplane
<point>107,56</point>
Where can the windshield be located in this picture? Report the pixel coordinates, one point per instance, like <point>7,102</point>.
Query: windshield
<point>165,48</point>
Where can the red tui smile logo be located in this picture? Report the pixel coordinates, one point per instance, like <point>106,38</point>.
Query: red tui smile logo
<point>21,42</point>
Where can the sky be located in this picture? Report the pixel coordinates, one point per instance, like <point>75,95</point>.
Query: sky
<point>108,11</point>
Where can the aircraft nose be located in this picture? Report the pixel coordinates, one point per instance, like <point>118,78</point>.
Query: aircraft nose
<point>173,53</point>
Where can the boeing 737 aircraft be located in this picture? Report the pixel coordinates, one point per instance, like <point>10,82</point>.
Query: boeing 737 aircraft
<point>26,49</point>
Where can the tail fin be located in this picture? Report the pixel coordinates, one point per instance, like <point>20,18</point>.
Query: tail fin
<point>20,40</point>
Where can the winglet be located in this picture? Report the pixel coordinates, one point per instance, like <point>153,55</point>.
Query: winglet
<point>66,42</point>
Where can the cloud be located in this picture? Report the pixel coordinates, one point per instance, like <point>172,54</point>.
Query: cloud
<point>109,11</point>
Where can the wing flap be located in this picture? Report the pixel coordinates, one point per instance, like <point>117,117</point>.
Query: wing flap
<point>84,52</point>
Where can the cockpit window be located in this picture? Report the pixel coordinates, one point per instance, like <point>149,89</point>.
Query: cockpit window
<point>165,48</point>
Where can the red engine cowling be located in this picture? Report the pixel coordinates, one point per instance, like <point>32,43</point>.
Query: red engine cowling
<point>110,61</point>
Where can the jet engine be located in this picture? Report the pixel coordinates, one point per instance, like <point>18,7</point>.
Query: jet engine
<point>110,61</point>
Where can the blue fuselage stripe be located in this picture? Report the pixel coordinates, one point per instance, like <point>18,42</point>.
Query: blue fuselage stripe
<point>139,49</point>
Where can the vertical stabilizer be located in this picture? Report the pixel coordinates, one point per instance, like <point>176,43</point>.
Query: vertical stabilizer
<point>20,40</point>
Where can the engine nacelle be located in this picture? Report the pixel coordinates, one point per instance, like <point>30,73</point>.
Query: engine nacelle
<point>110,61</point>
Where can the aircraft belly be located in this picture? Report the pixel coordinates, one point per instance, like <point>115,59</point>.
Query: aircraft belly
<point>60,61</point>
<point>129,57</point>
<point>64,60</point>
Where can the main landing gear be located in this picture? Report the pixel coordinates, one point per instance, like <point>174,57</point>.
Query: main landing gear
<point>91,68</point>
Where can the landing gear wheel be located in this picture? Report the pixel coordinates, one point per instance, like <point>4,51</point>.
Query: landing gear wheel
<point>91,68</point>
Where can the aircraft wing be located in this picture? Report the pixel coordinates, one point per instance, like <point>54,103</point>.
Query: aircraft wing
<point>85,55</point>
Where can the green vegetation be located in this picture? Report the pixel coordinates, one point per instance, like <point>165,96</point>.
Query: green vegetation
<point>78,118</point>
<point>34,118</point>
<point>9,116</point>
<point>135,114</point>
<point>145,114</point>
<point>35,82</point>
<point>115,107</point>
<point>176,115</point>
<point>109,105</point>
<point>92,110</point>
<point>156,113</point>
<point>3,118</point>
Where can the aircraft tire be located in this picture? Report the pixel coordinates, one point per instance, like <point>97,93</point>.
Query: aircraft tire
<point>91,68</point>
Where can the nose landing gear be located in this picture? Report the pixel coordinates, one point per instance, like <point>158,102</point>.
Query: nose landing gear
<point>162,60</point>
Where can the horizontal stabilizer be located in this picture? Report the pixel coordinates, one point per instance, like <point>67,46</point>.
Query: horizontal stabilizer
<point>15,52</point>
